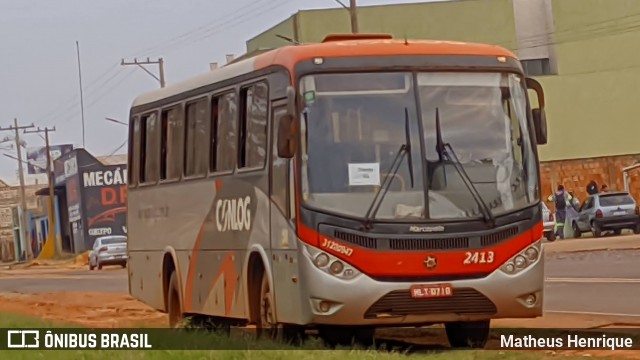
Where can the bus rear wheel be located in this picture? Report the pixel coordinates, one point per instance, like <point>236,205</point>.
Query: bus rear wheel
<point>472,334</point>
<point>267,326</point>
<point>174,308</point>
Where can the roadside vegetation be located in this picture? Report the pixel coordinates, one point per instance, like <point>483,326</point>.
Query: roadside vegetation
<point>249,347</point>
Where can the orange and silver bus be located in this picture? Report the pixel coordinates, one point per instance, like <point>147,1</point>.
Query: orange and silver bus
<point>339,187</point>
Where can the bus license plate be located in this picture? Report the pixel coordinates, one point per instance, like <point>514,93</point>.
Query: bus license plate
<point>431,291</point>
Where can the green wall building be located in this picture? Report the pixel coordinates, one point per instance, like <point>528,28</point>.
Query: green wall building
<point>584,52</point>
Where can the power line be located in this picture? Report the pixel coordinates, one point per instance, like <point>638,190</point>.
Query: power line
<point>100,97</point>
<point>154,49</point>
<point>223,26</point>
<point>71,103</point>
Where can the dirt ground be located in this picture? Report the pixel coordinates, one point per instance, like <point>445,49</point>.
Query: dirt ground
<point>101,310</point>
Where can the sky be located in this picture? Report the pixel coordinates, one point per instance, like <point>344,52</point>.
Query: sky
<point>39,79</point>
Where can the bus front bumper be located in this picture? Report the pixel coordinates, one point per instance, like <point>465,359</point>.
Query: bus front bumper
<point>365,301</point>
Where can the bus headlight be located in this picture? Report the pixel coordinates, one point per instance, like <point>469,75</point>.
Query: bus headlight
<point>336,267</point>
<point>330,264</point>
<point>531,253</point>
<point>523,259</point>
<point>322,260</point>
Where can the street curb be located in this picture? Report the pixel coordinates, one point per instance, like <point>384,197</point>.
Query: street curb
<point>570,251</point>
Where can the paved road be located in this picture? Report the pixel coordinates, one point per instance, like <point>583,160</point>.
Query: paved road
<point>580,279</point>
<point>39,281</point>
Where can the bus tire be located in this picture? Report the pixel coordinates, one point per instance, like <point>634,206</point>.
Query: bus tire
<point>174,308</point>
<point>267,327</point>
<point>346,336</point>
<point>472,334</point>
<point>209,324</point>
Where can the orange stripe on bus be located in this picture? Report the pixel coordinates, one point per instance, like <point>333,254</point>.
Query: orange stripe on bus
<point>230,277</point>
<point>289,56</point>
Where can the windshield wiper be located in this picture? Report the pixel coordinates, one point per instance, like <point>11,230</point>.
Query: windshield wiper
<point>441,148</point>
<point>405,149</point>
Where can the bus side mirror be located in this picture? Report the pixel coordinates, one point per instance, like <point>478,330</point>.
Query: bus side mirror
<point>540,123</point>
<point>288,128</point>
<point>539,115</point>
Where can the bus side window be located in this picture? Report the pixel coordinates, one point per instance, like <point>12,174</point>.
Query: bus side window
<point>152,151</point>
<point>134,151</point>
<point>197,137</point>
<point>253,126</point>
<point>171,145</point>
<point>224,111</point>
<point>279,168</point>
<point>149,149</point>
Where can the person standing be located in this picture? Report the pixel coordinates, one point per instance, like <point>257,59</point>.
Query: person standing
<point>592,188</point>
<point>604,188</point>
<point>561,200</point>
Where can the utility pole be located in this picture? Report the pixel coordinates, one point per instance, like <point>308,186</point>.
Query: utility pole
<point>81,95</point>
<point>26,246</point>
<point>50,178</point>
<point>352,8</point>
<point>160,63</point>
<point>354,16</point>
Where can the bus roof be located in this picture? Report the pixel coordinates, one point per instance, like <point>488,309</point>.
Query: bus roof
<point>289,56</point>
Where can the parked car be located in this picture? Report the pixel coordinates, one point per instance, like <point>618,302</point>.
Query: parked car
<point>612,211</point>
<point>108,250</point>
<point>548,223</point>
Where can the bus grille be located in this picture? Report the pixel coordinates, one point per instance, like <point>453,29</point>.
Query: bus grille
<point>495,238</point>
<point>418,244</point>
<point>436,244</point>
<point>355,239</point>
<point>464,301</point>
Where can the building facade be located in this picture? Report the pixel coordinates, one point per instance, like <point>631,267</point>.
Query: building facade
<point>582,51</point>
<point>90,199</point>
<point>11,244</point>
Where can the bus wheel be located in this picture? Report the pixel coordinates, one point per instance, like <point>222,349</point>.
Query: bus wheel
<point>174,307</point>
<point>267,326</point>
<point>472,334</point>
<point>344,336</point>
<point>210,324</point>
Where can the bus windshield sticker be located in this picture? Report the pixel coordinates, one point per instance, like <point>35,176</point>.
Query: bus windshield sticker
<point>310,97</point>
<point>364,174</point>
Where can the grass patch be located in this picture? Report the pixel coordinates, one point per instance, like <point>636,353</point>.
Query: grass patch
<point>247,346</point>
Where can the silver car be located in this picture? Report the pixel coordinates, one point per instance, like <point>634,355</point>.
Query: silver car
<point>612,211</point>
<point>108,250</point>
<point>548,222</point>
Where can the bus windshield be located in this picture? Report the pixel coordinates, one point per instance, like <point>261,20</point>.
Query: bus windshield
<point>353,126</point>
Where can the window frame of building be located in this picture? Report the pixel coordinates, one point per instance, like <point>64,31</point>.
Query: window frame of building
<point>206,101</point>
<point>218,145</point>
<point>244,127</point>
<point>543,67</point>
<point>172,169</point>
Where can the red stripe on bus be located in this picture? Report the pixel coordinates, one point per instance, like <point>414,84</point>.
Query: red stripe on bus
<point>412,263</point>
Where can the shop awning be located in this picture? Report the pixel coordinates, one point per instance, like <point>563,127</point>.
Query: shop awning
<point>45,191</point>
